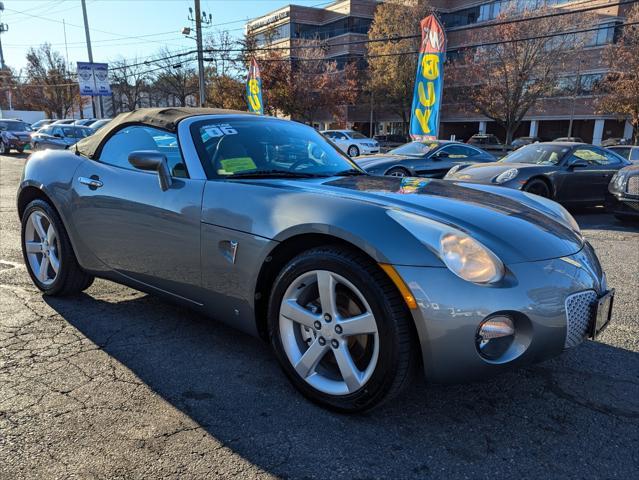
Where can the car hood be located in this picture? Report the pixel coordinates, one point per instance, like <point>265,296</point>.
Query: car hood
<point>486,172</point>
<point>514,225</point>
<point>373,161</point>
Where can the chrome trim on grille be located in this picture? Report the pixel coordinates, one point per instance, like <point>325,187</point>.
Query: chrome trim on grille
<point>632,187</point>
<point>580,312</point>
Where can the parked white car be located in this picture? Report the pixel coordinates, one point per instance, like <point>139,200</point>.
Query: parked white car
<point>352,142</point>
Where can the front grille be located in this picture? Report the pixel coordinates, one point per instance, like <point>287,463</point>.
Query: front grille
<point>580,311</point>
<point>632,187</point>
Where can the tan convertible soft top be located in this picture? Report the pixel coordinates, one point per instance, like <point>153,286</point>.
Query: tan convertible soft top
<point>164,118</point>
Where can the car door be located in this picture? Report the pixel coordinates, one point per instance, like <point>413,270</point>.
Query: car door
<point>56,140</point>
<point>130,224</point>
<point>587,172</point>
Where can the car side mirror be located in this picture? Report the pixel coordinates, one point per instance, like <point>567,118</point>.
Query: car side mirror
<point>152,160</point>
<point>440,155</point>
<point>57,135</point>
<point>577,164</point>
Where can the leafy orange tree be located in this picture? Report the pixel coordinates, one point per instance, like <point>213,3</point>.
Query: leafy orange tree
<point>621,86</point>
<point>392,72</point>
<point>505,76</point>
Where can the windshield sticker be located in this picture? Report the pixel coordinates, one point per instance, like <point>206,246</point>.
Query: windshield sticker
<point>234,165</point>
<point>217,130</point>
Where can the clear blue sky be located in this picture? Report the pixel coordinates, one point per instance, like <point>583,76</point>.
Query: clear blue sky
<point>114,23</point>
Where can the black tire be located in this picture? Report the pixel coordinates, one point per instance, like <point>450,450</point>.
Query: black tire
<point>3,148</point>
<point>397,350</point>
<point>538,187</point>
<point>71,279</point>
<point>20,149</point>
<point>398,172</point>
<point>353,151</point>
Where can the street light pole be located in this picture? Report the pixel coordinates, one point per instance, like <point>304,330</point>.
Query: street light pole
<point>88,37</point>
<point>200,53</point>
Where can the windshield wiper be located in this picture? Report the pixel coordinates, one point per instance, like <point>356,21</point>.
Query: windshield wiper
<point>274,174</point>
<point>351,172</point>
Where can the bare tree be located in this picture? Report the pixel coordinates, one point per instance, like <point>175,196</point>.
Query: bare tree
<point>177,80</point>
<point>49,83</point>
<point>128,82</point>
<point>503,79</point>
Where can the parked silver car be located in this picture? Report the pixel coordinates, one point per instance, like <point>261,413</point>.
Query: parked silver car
<point>58,136</point>
<point>353,279</point>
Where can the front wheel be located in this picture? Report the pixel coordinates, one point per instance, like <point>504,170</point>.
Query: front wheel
<point>20,149</point>
<point>3,148</point>
<point>398,172</point>
<point>340,329</point>
<point>353,151</point>
<point>538,187</point>
<point>47,252</point>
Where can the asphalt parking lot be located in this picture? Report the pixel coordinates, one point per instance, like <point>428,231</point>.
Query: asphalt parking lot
<point>117,384</point>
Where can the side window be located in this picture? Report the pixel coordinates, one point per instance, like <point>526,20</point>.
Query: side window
<point>457,151</point>
<point>69,132</point>
<point>592,157</point>
<point>58,131</point>
<point>610,157</point>
<point>117,148</point>
<point>634,154</point>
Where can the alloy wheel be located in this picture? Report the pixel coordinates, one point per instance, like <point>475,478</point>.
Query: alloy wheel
<point>329,332</point>
<point>353,151</point>
<point>42,247</point>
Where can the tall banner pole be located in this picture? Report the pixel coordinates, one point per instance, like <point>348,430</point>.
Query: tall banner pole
<point>429,82</point>
<point>254,89</point>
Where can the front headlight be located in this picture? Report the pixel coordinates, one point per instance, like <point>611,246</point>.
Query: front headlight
<point>452,171</point>
<point>463,255</point>
<point>507,176</point>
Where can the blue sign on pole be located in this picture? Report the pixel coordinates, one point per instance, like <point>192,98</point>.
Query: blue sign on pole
<point>93,79</point>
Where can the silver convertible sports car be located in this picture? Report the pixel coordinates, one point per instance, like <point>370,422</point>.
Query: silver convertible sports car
<point>353,279</point>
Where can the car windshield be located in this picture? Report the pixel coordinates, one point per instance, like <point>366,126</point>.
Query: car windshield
<point>241,147</point>
<point>356,135</point>
<point>15,126</point>
<point>416,149</point>
<point>536,153</point>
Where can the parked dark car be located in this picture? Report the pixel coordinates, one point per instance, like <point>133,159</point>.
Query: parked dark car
<point>14,134</point>
<point>629,152</point>
<point>569,139</point>
<point>609,142</point>
<point>58,136</point>
<point>424,159</point>
<point>624,188</point>
<point>388,142</point>
<point>42,123</point>
<point>570,173</point>
<point>522,141</point>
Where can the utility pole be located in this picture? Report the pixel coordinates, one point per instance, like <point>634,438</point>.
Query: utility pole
<point>200,53</point>
<point>88,37</point>
<point>3,28</point>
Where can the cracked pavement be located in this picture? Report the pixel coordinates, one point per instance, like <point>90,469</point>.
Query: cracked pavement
<point>118,384</point>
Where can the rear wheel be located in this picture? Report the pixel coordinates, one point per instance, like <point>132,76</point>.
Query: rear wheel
<point>538,187</point>
<point>353,151</point>
<point>47,252</point>
<point>340,330</point>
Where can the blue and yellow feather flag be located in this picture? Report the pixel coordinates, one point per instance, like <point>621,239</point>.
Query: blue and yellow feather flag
<point>254,89</point>
<point>427,95</point>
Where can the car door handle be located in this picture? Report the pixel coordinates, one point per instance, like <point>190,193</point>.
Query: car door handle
<point>91,182</point>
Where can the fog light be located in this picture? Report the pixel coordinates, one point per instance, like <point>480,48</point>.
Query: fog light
<point>495,336</point>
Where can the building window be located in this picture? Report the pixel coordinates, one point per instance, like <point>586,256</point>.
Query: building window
<point>274,34</point>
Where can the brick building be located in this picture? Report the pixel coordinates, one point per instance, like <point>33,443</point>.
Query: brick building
<point>348,20</point>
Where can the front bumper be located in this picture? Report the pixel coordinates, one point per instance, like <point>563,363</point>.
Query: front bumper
<point>534,294</point>
<point>16,143</point>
